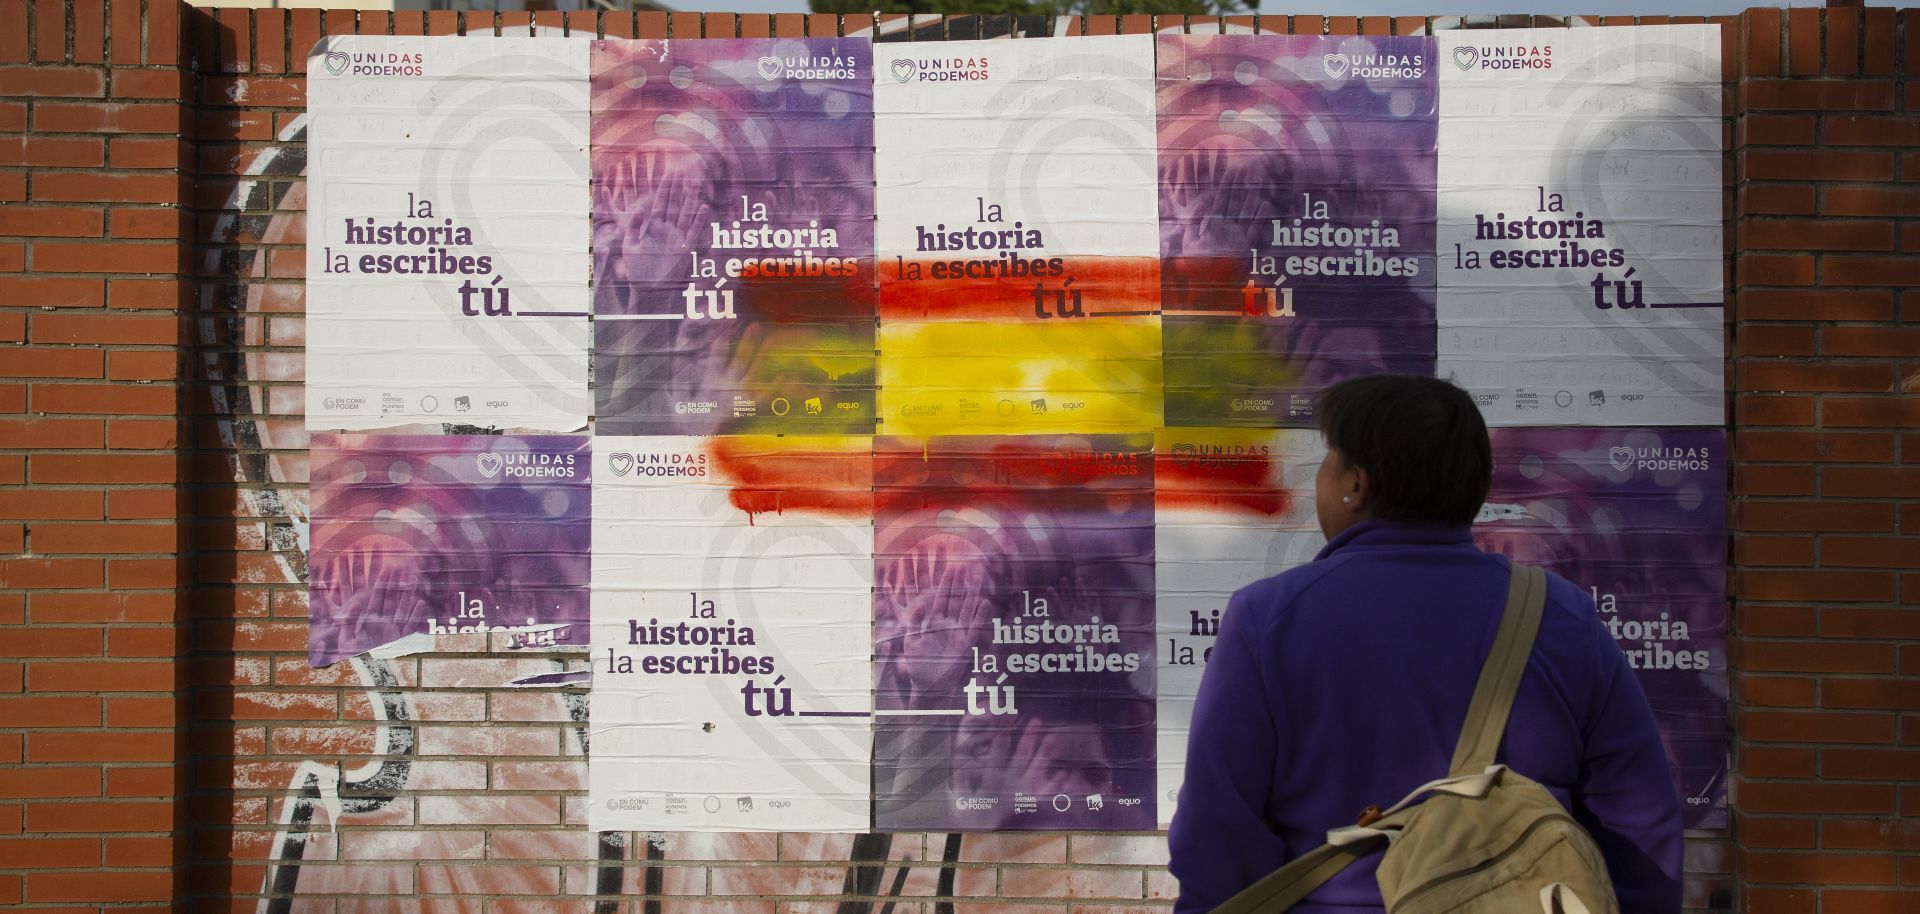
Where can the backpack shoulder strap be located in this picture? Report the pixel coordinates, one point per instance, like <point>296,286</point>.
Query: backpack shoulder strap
<point>1487,716</point>
<point>1287,886</point>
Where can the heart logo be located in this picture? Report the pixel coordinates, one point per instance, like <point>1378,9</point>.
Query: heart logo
<point>1335,64</point>
<point>903,70</point>
<point>620,463</point>
<point>1620,457</point>
<point>1466,56</point>
<point>336,62</point>
<point>769,67</point>
<point>489,464</point>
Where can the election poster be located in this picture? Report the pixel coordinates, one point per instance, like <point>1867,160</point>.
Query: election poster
<point>1296,219</point>
<point>447,233</point>
<point>1018,237</point>
<point>418,537</point>
<point>1013,629</point>
<point>1231,506</point>
<point>1639,518</point>
<point>732,607</point>
<point>1580,259</point>
<point>733,236</point>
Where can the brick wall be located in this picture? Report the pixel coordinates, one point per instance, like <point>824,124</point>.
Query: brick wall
<point>157,706</point>
<point>1827,474</point>
<point>94,237</point>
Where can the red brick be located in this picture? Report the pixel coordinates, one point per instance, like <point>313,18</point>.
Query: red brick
<point>1782,551</point>
<point>1803,42</point>
<point>1868,482</point>
<point>38,711</point>
<point>107,117</point>
<point>148,152</point>
<point>1813,726</point>
<point>147,852</point>
<point>52,291</point>
<point>1774,762</point>
<point>104,608</point>
<point>1752,410</point>
<point>35,574</point>
<point>104,538</point>
<point>49,853</point>
<point>1814,447</point>
<point>1776,481</point>
<point>1776,270</point>
<point>1869,130</point>
<point>1870,201</point>
<point>54,363</point>
<point>1763,900</point>
<point>146,293</point>
<point>1871,341</point>
<point>143,712</point>
<point>1846,270</point>
<point>101,676</point>
<point>52,152</point>
<point>14,46</point>
<point>103,886</point>
<point>13,187</point>
<point>1756,831</point>
<point>1874,834</point>
<point>1813,376</point>
<point>149,223</point>
<point>1816,235</point>
<point>1774,340</point>
<point>13,329</point>
<point>104,257</point>
<point>64,187</point>
<point>1777,691</point>
<point>62,746</point>
<point>1870,412</point>
<point>1826,586</point>
<point>1880,29</point>
<point>1815,657</point>
<point>1816,165</point>
<point>102,399</point>
<point>1817,95</point>
<point>86,82</point>
<point>13,117</point>
<point>1777,130</point>
<point>1868,622</point>
<point>1828,869</point>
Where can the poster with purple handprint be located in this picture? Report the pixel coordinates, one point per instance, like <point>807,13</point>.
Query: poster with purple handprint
<point>1013,629</point>
<point>733,236</point>
<point>1296,219</point>
<point>1639,518</point>
<point>418,537</point>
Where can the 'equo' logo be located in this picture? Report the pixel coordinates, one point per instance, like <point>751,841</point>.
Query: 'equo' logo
<point>488,464</point>
<point>620,463</point>
<point>336,62</point>
<point>1620,457</point>
<point>903,70</point>
<point>770,67</point>
<point>1466,56</point>
<point>1335,64</point>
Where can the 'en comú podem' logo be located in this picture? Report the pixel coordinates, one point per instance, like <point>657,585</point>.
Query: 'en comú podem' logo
<point>1503,57</point>
<point>940,69</point>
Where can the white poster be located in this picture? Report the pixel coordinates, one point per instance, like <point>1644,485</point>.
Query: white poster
<point>1018,237</point>
<point>1231,507</point>
<point>732,637</point>
<point>447,233</point>
<point>1579,244</point>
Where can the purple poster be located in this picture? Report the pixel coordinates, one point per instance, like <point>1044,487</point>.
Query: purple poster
<point>1296,219</point>
<point>419,536</point>
<point>733,237</point>
<point>1639,518</point>
<point>1013,633</point>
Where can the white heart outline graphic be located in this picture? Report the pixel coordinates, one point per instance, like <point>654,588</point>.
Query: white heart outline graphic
<point>336,62</point>
<point>1465,56</point>
<point>1335,65</point>
<point>1620,457</point>
<point>620,462</point>
<point>488,464</point>
<point>903,69</point>
<point>770,67</point>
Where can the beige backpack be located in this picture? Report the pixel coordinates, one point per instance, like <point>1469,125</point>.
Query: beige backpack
<point>1484,838</point>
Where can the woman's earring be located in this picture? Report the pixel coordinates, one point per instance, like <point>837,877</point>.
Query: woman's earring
<point>1347,500</point>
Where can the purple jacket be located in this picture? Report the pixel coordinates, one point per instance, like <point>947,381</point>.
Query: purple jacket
<point>1344,683</point>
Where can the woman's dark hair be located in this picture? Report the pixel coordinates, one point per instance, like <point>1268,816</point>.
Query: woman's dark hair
<point>1420,440</point>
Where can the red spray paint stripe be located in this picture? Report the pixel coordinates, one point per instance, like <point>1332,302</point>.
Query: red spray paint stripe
<point>828,482</point>
<point>1238,483</point>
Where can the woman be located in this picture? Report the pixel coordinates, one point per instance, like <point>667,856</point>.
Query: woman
<point>1343,683</point>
